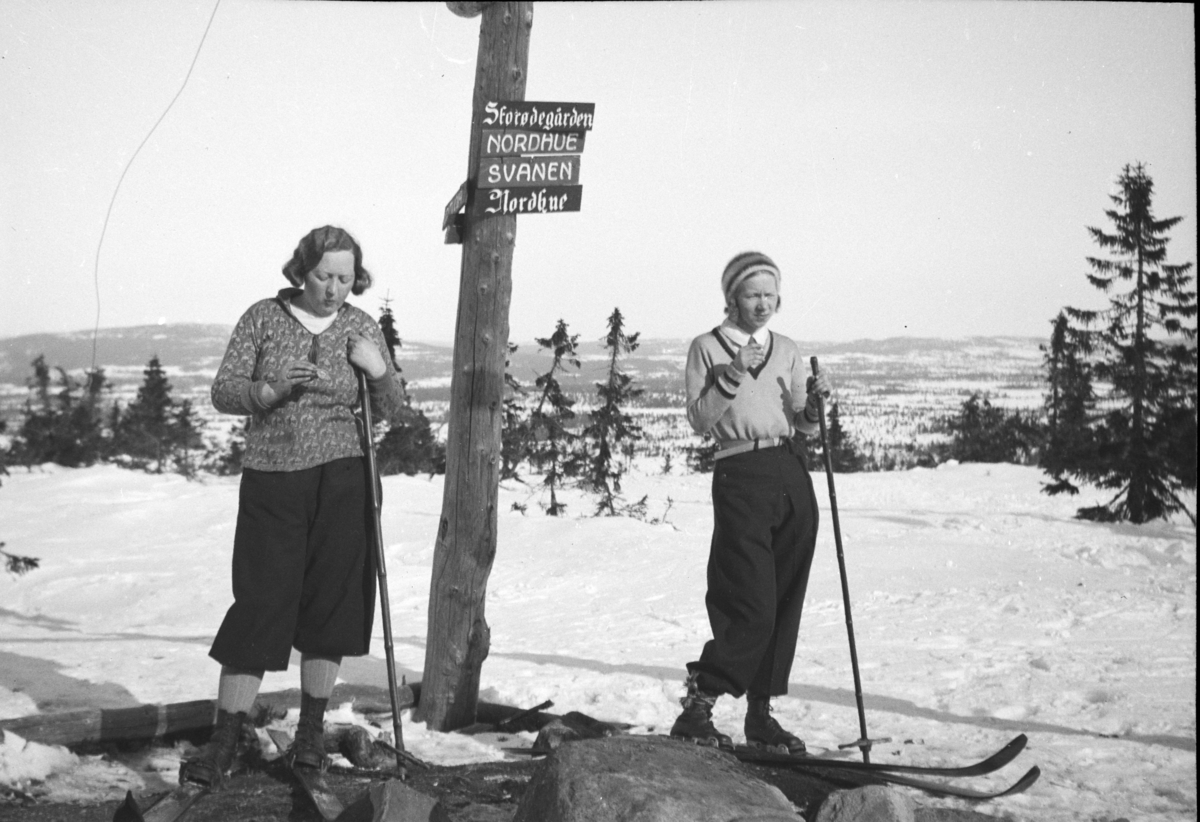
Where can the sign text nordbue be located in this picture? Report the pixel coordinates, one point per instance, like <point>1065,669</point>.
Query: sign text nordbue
<point>547,200</point>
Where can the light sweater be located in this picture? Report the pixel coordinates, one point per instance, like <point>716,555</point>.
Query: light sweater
<point>315,423</point>
<point>767,401</point>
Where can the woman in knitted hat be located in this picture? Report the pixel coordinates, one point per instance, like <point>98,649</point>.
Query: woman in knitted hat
<point>303,574</point>
<point>747,386</point>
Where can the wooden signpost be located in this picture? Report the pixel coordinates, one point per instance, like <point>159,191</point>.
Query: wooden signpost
<point>523,159</point>
<point>458,637</point>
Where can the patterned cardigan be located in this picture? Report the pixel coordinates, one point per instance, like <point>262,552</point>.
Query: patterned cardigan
<point>316,423</point>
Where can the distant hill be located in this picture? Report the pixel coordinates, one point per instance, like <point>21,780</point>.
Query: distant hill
<point>189,346</point>
<point>191,354</point>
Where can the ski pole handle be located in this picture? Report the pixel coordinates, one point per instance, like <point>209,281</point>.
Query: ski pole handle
<point>816,369</point>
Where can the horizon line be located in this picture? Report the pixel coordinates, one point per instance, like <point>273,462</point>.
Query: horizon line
<point>450,343</point>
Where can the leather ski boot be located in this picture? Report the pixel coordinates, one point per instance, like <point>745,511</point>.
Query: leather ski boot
<point>763,731</point>
<point>695,723</point>
<point>308,748</point>
<point>215,760</point>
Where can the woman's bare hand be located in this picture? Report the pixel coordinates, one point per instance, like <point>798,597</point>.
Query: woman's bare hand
<point>365,356</point>
<point>750,355</point>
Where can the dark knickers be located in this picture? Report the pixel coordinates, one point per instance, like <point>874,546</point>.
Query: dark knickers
<point>303,575</point>
<point>764,535</point>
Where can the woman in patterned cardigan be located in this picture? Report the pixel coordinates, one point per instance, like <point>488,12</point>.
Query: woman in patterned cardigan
<point>303,572</point>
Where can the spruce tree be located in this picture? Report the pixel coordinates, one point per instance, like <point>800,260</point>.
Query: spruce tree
<point>85,421</point>
<point>1143,346</point>
<point>1069,405</point>
<point>843,455</point>
<point>409,445</point>
<point>387,324</point>
<point>552,450</point>
<point>986,433</point>
<point>37,439</point>
<point>65,427</point>
<point>515,433</point>
<point>186,437</point>
<point>147,431</point>
<point>611,428</point>
<point>228,462</point>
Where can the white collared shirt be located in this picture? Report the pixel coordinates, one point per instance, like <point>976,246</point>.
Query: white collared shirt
<point>731,330</point>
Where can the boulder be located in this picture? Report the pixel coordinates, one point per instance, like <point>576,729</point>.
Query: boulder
<point>872,803</point>
<point>647,779</point>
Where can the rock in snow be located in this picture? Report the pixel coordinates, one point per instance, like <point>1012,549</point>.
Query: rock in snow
<point>650,779</point>
<point>873,803</point>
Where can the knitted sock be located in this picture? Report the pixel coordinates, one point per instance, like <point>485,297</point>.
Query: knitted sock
<point>318,674</point>
<point>237,689</point>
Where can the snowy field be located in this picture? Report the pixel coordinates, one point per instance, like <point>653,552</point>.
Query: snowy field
<point>981,609</point>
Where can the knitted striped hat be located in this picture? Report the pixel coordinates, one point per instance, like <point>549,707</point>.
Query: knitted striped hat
<point>746,265</point>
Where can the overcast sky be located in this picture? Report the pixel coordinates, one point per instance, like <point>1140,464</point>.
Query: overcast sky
<point>916,169</point>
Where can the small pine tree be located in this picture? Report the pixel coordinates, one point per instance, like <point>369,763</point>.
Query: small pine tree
<point>551,451</point>
<point>1070,407</point>
<point>611,428</point>
<point>146,432</point>
<point>1144,347</point>
<point>387,324</point>
<point>408,446</point>
<point>985,433</point>
<point>228,462</point>
<point>843,453</point>
<point>64,427</point>
<point>185,437</point>
<point>38,437</point>
<point>89,425</point>
<point>515,432</point>
<point>809,448</point>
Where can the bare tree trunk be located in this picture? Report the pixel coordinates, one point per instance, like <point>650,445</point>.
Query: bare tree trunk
<point>458,636</point>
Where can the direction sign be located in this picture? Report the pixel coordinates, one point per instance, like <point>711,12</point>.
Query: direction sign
<point>529,158</point>
<point>547,200</point>
<point>512,142</point>
<point>454,206</point>
<point>538,116</point>
<point>497,172</point>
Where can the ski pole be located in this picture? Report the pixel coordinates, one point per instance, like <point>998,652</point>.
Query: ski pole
<point>863,743</point>
<point>380,566</point>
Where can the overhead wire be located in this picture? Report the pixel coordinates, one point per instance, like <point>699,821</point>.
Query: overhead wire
<point>121,179</point>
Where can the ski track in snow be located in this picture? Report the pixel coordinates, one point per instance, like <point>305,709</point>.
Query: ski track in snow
<point>981,609</point>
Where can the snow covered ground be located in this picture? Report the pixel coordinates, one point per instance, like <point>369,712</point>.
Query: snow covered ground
<point>981,609</point>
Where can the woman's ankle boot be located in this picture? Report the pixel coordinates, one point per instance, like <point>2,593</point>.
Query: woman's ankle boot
<point>763,731</point>
<point>308,749</point>
<point>214,761</point>
<point>695,722</point>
